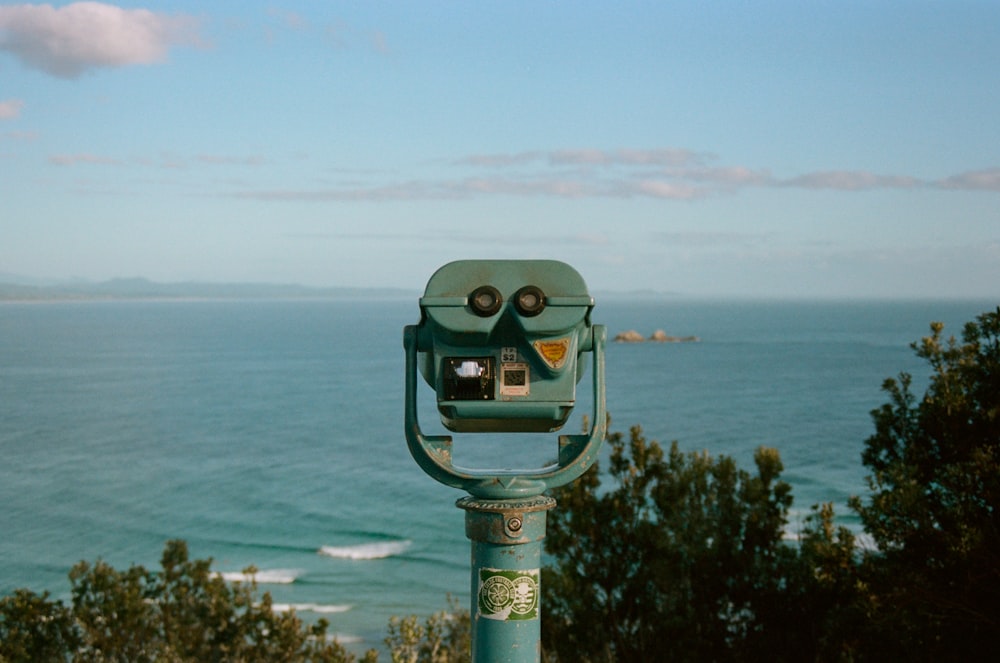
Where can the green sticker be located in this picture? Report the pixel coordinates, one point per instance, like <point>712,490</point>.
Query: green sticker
<point>508,595</point>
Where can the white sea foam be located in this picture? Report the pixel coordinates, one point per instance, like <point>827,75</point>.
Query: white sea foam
<point>376,550</point>
<point>310,607</point>
<point>264,577</point>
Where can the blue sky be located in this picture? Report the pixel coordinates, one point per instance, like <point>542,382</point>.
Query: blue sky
<point>765,149</point>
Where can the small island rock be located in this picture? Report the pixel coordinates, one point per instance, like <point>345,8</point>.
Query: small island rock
<point>659,336</point>
<point>630,336</point>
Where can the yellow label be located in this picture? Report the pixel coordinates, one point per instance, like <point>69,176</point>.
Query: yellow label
<point>553,352</point>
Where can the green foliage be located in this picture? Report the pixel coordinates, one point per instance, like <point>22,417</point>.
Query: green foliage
<point>443,638</point>
<point>184,613</point>
<point>830,589</point>
<point>934,509</point>
<point>682,558</point>
<point>33,628</point>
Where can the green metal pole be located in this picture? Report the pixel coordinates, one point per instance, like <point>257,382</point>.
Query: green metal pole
<point>506,540</point>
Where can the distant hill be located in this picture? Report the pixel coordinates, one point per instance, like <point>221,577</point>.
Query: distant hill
<point>140,288</point>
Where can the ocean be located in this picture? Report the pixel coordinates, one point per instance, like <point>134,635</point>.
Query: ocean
<point>270,433</point>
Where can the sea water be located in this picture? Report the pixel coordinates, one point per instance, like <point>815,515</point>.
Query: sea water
<point>270,433</point>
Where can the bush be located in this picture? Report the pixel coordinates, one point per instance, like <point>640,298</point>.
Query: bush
<point>682,558</point>
<point>183,613</point>
<point>443,638</point>
<point>934,507</point>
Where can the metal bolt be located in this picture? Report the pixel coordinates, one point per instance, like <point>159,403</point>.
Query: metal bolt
<point>514,524</point>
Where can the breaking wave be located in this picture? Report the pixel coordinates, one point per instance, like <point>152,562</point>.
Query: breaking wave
<point>264,577</point>
<point>377,550</point>
<point>310,607</point>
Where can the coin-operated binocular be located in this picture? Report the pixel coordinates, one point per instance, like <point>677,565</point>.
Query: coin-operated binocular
<point>502,343</point>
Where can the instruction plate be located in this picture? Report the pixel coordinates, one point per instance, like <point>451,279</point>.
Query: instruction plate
<point>515,379</point>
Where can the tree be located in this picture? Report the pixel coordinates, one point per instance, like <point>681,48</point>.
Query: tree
<point>445,637</point>
<point>184,613</point>
<point>33,628</point>
<point>934,508</point>
<point>831,591</point>
<point>681,559</point>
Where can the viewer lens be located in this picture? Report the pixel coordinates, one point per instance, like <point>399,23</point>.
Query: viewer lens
<point>485,301</point>
<point>529,300</point>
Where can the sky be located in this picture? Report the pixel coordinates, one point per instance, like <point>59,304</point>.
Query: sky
<point>705,149</point>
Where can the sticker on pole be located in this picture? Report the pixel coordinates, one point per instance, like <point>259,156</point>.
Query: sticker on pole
<point>508,595</point>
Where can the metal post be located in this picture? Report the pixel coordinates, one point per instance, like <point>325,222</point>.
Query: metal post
<point>500,342</point>
<point>505,609</point>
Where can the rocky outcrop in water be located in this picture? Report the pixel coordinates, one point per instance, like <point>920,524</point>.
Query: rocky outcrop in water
<point>659,336</point>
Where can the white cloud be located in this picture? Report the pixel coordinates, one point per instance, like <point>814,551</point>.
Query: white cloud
<point>289,19</point>
<point>380,43</point>
<point>852,181</point>
<point>26,136</point>
<point>227,160</point>
<point>667,174</point>
<point>662,189</point>
<point>727,176</point>
<point>560,188</point>
<point>70,40</point>
<point>499,160</point>
<point>626,157</point>
<point>92,159</point>
<point>672,156</point>
<point>169,161</point>
<point>10,109</point>
<point>979,180</point>
<point>711,240</point>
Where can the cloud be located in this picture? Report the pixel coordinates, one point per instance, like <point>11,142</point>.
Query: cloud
<point>388,192</point>
<point>438,237</point>
<point>560,188</point>
<point>500,160</point>
<point>289,19</point>
<point>589,157</point>
<point>703,240</point>
<point>680,173</point>
<point>668,174</point>
<point>727,176</point>
<point>659,157</point>
<point>70,40</point>
<point>73,159</point>
<point>380,43</point>
<point>977,180</point>
<point>165,160</point>
<point>225,160</point>
<point>477,187</point>
<point>26,136</point>
<point>10,109</point>
<point>852,181</point>
<point>284,20</point>
<point>662,189</point>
